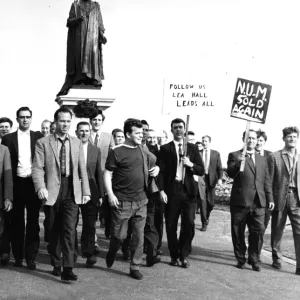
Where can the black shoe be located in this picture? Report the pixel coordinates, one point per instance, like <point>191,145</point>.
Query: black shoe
<point>31,264</point>
<point>203,228</point>
<point>259,259</point>
<point>276,264</point>
<point>136,274</point>
<point>297,271</point>
<point>91,261</point>
<point>110,258</point>
<point>159,252</point>
<point>255,267</point>
<point>126,255</point>
<point>174,262</point>
<point>5,259</point>
<point>240,265</point>
<point>68,275</point>
<point>96,249</point>
<point>18,263</point>
<point>185,264</point>
<point>56,271</point>
<point>154,261</point>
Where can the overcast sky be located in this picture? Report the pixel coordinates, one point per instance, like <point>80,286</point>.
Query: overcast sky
<point>213,41</point>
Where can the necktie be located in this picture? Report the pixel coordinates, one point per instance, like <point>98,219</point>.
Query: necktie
<point>206,162</point>
<point>62,157</point>
<point>96,140</point>
<point>180,152</point>
<point>251,159</point>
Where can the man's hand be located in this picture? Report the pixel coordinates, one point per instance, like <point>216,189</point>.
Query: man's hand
<point>163,197</point>
<point>43,194</point>
<point>271,205</point>
<point>113,200</point>
<point>241,157</point>
<point>220,182</point>
<point>153,172</point>
<point>186,162</point>
<point>100,201</point>
<point>8,205</point>
<point>85,199</point>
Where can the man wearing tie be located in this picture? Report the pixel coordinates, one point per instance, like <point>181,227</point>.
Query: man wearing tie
<point>213,175</point>
<point>251,193</point>
<point>179,193</point>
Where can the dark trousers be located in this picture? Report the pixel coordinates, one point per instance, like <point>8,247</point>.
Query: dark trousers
<point>207,204</point>
<point>60,219</point>
<point>5,231</point>
<point>25,197</point>
<point>180,204</point>
<point>254,218</point>
<point>159,219</point>
<point>126,210</point>
<point>150,233</point>
<point>268,214</point>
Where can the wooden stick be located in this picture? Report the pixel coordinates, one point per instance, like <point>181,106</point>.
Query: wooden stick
<point>185,141</point>
<point>242,167</point>
<point>75,6</point>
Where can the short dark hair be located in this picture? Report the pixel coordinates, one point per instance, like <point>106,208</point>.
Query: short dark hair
<point>198,143</point>
<point>96,113</point>
<point>176,121</point>
<point>115,131</point>
<point>23,108</point>
<point>262,134</point>
<point>129,123</point>
<point>4,119</point>
<point>52,123</point>
<point>244,133</point>
<point>62,109</point>
<point>288,130</point>
<point>191,132</point>
<point>82,123</point>
<point>144,122</point>
<point>207,136</point>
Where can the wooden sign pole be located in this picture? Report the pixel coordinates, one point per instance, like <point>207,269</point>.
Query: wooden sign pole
<point>245,146</point>
<point>185,141</point>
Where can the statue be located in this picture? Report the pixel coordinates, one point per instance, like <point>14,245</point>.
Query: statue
<point>84,46</point>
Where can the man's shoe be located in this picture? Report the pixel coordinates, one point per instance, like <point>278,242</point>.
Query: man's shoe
<point>90,261</point>
<point>18,263</point>
<point>96,249</point>
<point>259,259</point>
<point>297,271</point>
<point>56,271</point>
<point>5,259</point>
<point>31,264</point>
<point>240,265</point>
<point>174,262</point>
<point>154,261</point>
<point>203,228</point>
<point>159,252</point>
<point>110,258</point>
<point>68,275</point>
<point>255,267</point>
<point>136,274</point>
<point>185,264</point>
<point>276,264</point>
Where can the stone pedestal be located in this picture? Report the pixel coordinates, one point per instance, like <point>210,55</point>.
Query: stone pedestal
<point>81,94</point>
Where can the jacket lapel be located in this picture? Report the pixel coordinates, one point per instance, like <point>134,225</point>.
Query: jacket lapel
<point>88,154</point>
<point>250,164</point>
<point>15,141</point>
<point>286,162</point>
<point>54,148</point>
<point>174,154</point>
<point>32,143</point>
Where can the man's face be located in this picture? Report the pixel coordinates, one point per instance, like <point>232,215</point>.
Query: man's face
<point>83,133</point>
<point>97,123</point>
<point>24,120</point>
<point>191,138</point>
<point>45,128</point>
<point>152,138</point>
<point>145,132</point>
<point>63,123</point>
<point>252,140</point>
<point>291,140</point>
<point>52,128</point>
<point>136,135</point>
<point>205,142</point>
<point>178,131</point>
<point>162,139</point>
<point>200,147</point>
<point>4,128</point>
<point>260,144</point>
<point>119,138</point>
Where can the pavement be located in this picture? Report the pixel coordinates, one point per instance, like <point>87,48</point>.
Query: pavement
<point>212,274</point>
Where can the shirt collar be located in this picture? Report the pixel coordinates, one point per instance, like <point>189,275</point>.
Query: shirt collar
<point>57,137</point>
<point>177,143</point>
<point>285,151</point>
<point>94,133</point>
<point>20,132</point>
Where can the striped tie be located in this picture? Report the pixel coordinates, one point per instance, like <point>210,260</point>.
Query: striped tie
<point>62,157</point>
<point>96,140</point>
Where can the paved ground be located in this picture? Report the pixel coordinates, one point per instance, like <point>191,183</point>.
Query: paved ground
<point>212,275</point>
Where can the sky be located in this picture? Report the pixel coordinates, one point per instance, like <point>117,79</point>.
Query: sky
<point>211,41</point>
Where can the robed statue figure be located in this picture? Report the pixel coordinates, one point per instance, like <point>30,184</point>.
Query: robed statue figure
<point>84,46</point>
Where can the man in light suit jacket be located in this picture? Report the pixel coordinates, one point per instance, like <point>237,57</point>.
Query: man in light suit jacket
<point>21,145</point>
<point>251,193</point>
<point>6,203</point>
<point>92,156</point>
<point>213,175</point>
<point>178,194</point>
<point>284,169</point>
<point>60,179</point>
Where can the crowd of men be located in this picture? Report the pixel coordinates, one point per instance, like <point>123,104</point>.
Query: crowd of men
<point>136,180</point>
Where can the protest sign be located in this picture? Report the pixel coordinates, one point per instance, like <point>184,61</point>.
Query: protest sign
<point>251,100</point>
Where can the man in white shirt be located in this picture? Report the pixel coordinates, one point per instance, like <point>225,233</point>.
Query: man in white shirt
<point>21,145</point>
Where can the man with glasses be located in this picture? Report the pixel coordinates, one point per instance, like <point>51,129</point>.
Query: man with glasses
<point>21,145</point>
